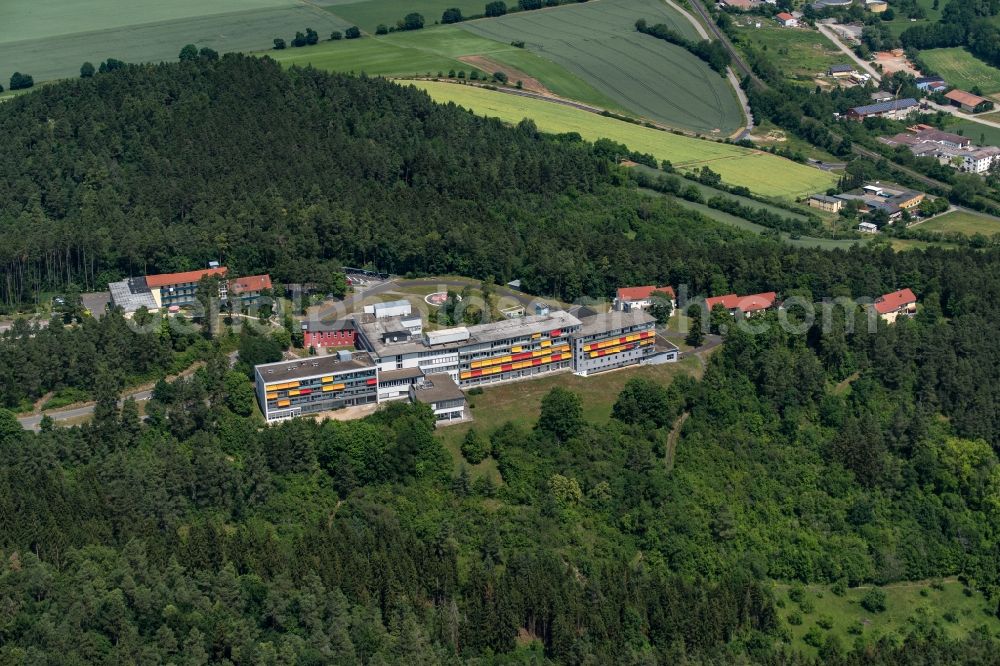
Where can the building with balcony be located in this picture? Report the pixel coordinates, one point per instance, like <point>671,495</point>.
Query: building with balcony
<point>287,389</point>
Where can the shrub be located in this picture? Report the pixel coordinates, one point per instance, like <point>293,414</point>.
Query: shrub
<point>496,8</point>
<point>412,21</point>
<point>500,76</point>
<point>813,637</point>
<point>807,606</point>
<point>279,43</point>
<point>795,618</point>
<point>19,81</point>
<point>336,35</point>
<point>825,621</point>
<point>856,628</point>
<point>475,447</point>
<point>382,29</point>
<point>874,600</point>
<point>839,588</point>
<point>353,32</point>
<point>796,592</point>
<point>517,43</point>
<point>452,15</point>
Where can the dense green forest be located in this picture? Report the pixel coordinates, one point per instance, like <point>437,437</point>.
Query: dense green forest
<point>187,532</point>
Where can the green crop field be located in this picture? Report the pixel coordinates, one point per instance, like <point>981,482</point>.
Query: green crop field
<point>962,69</point>
<point>434,50</point>
<point>799,53</point>
<point>50,40</point>
<point>367,14</point>
<point>598,42</point>
<point>962,222</point>
<point>761,172</point>
<point>980,134</point>
<point>908,606</point>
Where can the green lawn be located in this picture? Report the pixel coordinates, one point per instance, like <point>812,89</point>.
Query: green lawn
<point>653,79</point>
<point>434,50</point>
<point>963,222</point>
<point>799,53</point>
<point>962,69</point>
<point>521,401</point>
<point>761,172</point>
<point>908,606</point>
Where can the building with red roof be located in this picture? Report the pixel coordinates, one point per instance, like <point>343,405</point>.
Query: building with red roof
<point>179,289</point>
<point>890,306</point>
<point>787,20</point>
<point>748,305</point>
<point>248,289</point>
<point>965,100</point>
<point>628,299</point>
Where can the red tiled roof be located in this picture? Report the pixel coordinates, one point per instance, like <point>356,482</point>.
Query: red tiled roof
<point>751,303</point>
<point>785,16</point>
<point>642,293</point>
<point>963,97</point>
<point>250,283</point>
<point>165,279</point>
<point>894,301</point>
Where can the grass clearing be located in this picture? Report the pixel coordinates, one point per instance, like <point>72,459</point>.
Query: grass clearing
<point>799,53</point>
<point>521,401</point>
<point>598,42</point>
<point>763,173</point>
<point>962,69</point>
<point>909,605</point>
<point>964,222</point>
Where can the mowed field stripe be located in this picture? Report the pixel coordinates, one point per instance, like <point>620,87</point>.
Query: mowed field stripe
<point>653,79</point>
<point>761,172</point>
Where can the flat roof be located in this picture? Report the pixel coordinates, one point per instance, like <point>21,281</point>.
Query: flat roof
<point>438,388</point>
<point>402,373</point>
<point>132,294</point>
<point>610,321</point>
<point>516,328</point>
<point>312,366</point>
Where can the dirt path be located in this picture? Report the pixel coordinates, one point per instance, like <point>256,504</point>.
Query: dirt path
<point>675,434</point>
<point>528,82</point>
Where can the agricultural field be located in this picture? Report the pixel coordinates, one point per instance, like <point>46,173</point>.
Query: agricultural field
<point>909,605</point>
<point>980,134</point>
<point>963,222</point>
<point>598,42</point>
<point>441,49</point>
<point>801,54</point>
<point>368,14</point>
<point>763,173</point>
<point>50,40</point>
<point>962,69</point>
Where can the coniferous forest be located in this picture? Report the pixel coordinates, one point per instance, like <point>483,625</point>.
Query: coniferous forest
<point>189,533</point>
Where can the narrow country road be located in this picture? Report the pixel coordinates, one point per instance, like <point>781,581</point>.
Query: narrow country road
<point>730,74</point>
<point>828,32</point>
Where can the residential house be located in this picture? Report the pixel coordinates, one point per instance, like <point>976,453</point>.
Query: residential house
<point>633,298</point>
<point>890,306</point>
<point>786,20</point>
<point>867,228</point>
<point>747,305</point>
<point>249,289</point>
<point>179,289</point>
